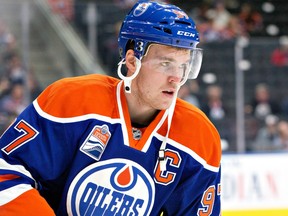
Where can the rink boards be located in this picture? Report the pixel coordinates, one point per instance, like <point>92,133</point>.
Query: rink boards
<point>255,184</point>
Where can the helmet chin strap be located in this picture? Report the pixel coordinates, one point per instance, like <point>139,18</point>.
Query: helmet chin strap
<point>127,84</point>
<point>128,80</point>
<point>161,156</point>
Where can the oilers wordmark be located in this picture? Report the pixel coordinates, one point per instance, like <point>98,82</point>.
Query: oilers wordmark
<point>111,187</point>
<point>98,200</point>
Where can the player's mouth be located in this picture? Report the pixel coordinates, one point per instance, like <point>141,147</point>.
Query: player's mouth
<point>168,93</point>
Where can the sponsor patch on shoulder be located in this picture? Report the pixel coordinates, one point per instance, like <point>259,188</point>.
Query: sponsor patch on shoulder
<point>96,142</point>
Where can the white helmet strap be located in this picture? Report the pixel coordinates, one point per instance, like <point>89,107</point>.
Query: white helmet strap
<point>127,80</point>
<point>161,154</point>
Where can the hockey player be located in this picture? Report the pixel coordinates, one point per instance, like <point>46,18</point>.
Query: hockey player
<point>97,145</point>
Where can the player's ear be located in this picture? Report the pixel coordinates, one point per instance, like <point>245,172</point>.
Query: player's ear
<point>130,62</point>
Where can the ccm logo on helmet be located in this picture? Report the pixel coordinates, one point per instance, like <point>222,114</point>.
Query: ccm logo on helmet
<point>188,34</point>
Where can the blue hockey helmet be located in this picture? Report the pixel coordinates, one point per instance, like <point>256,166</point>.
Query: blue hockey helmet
<point>150,22</point>
<point>153,22</point>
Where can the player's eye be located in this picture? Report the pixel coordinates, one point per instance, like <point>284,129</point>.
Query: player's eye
<point>165,64</point>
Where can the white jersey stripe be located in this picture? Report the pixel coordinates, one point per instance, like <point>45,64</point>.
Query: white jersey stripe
<point>13,192</point>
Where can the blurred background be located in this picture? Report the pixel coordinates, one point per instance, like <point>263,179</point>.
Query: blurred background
<point>242,86</point>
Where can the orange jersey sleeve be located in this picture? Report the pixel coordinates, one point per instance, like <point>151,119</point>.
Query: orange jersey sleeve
<point>191,127</point>
<point>76,96</point>
<point>29,203</point>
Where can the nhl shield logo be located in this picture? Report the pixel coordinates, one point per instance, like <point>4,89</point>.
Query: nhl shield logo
<point>96,142</point>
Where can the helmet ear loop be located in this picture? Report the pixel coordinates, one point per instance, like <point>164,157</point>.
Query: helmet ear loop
<point>128,80</point>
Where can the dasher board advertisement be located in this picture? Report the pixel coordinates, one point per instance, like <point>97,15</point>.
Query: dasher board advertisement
<point>255,184</point>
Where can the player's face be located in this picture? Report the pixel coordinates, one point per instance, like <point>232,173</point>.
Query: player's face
<point>162,70</point>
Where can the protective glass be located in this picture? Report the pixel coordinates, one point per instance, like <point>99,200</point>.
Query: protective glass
<point>196,57</point>
<point>178,66</point>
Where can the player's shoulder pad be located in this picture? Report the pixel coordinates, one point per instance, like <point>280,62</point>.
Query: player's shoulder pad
<point>75,96</point>
<point>193,129</point>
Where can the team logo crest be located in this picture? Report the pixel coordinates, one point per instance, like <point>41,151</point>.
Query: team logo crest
<point>96,142</point>
<point>111,187</point>
<point>140,9</point>
<point>180,14</point>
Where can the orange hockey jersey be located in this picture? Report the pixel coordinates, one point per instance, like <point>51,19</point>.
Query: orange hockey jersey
<point>73,151</point>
